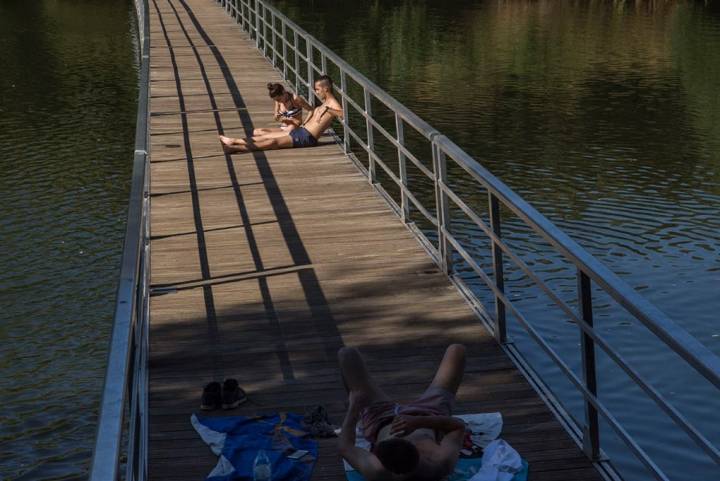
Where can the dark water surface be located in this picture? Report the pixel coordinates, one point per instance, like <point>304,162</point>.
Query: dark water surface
<point>606,117</point>
<point>68,86</point>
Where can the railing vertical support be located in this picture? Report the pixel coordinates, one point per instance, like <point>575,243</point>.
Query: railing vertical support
<point>284,54</point>
<point>244,15</point>
<point>442,208</point>
<point>495,224</point>
<point>402,168</point>
<point>591,430</point>
<point>274,35</point>
<point>311,72</point>
<point>370,140</point>
<point>296,53</point>
<point>248,17</point>
<point>345,120</point>
<point>257,24</point>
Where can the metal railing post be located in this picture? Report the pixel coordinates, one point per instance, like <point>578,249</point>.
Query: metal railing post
<point>346,120</point>
<point>497,256</point>
<point>274,44</point>
<point>591,429</point>
<point>296,53</point>
<point>257,24</point>
<point>442,208</point>
<point>402,168</point>
<point>370,141</point>
<point>311,72</point>
<point>284,50</point>
<point>244,15</point>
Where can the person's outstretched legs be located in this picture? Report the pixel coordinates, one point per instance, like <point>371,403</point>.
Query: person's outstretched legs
<point>231,141</point>
<point>452,367</point>
<point>266,130</point>
<point>356,377</point>
<point>232,146</point>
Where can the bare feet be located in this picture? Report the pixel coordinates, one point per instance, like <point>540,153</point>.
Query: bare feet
<point>230,141</point>
<point>234,148</point>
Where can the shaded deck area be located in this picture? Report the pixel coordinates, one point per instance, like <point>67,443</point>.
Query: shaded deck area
<point>264,265</point>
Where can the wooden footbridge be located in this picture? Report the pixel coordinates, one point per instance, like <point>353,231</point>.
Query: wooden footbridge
<point>263,265</point>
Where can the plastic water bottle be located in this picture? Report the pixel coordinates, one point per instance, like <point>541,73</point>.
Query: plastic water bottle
<point>262,469</point>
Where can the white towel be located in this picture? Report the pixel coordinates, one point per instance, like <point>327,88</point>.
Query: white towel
<point>485,427</point>
<point>500,462</point>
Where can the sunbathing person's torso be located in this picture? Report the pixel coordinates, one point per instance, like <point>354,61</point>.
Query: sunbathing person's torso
<point>426,442</point>
<point>321,118</point>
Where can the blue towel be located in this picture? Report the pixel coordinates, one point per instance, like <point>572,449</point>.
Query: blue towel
<point>237,440</point>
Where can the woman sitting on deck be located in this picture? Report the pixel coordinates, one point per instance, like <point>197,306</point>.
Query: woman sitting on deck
<point>288,110</point>
<point>305,135</point>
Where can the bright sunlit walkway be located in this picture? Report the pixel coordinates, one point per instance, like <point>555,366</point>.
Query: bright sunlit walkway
<point>263,265</point>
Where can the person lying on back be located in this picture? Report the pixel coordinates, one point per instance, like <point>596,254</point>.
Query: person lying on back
<point>414,441</point>
<point>306,135</point>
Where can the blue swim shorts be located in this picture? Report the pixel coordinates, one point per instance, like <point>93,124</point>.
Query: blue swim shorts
<point>302,138</point>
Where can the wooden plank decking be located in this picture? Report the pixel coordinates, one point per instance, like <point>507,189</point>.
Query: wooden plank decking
<point>280,258</point>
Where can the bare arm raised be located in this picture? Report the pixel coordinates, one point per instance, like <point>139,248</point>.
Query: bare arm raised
<point>362,460</point>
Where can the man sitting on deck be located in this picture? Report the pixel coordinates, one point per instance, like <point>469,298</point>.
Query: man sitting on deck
<point>414,441</point>
<point>305,135</point>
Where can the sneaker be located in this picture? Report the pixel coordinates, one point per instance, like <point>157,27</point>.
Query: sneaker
<point>232,394</point>
<point>211,397</point>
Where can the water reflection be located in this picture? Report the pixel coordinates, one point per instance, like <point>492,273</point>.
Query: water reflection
<point>606,116</point>
<point>67,113</point>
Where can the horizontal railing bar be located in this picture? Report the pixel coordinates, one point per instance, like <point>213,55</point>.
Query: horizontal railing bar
<point>675,415</point>
<point>403,188</point>
<point>637,450</point>
<point>361,110</point>
<point>432,219</point>
<point>428,173</point>
<point>111,424</point>
<point>677,338</point>
<point>410,155</point>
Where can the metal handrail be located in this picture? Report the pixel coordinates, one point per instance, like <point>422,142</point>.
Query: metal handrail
<point>126,375</point>
<point>261,21</point>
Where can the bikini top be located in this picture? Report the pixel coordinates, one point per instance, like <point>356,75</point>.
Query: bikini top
<point>293,111</point>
